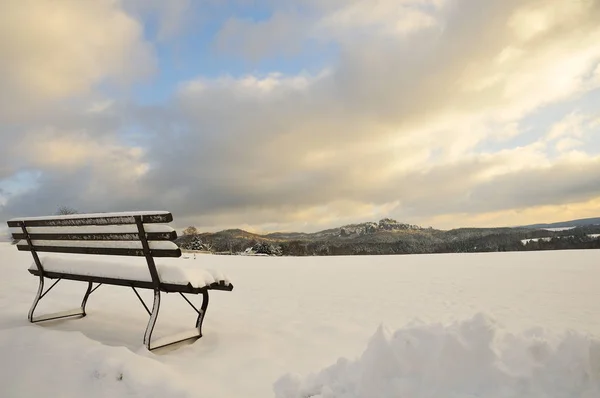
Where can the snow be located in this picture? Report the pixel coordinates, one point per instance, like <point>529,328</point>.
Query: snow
<point>48,363</point>
<point>549,238</point>
<point>91,215</point>
<point>94,229</point>
<point>545,239</point>
<point>173,272</point>
<point>460,360</point>
<point>187,334</point>
<point>113,244</point>
<point>486,325</point>
<point>60,314</point>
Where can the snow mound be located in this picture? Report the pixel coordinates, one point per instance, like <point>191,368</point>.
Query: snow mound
<point>43,363</point>
<point>471,358</point>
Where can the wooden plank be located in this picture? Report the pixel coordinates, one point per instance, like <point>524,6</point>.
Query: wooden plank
<point>95,229</point>
<point>92,219</point>
<point>110,251</point>
<point>116,244</point>
<point>151,236</point>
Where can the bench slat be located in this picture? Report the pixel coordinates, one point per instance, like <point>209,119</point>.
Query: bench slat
<point>151,236</point>
<point>92,219</point>
<point>110,251</point>
<point>154,245</point>
<point>94,229</point>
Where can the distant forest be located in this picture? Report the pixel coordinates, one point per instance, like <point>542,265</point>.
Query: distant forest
<point>391,237</point>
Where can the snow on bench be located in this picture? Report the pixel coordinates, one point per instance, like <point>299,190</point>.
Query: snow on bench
<point>137,235</point>
<point>175,274</point>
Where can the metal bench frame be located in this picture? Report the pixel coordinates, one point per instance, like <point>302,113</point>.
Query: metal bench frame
<point>156,285</point>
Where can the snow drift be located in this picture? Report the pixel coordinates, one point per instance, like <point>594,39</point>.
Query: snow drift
<point>39,362</point>
<point>472,358</point>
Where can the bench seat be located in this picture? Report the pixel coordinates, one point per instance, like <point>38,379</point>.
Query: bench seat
<point>174,275</point>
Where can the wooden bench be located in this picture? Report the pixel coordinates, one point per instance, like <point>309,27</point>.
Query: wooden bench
<point>138,234</point>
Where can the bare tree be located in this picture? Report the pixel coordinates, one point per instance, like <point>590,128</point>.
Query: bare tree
<point>191,230</point>
<point>64,210</point>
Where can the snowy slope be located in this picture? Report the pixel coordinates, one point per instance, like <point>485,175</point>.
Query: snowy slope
<point>296,327</point>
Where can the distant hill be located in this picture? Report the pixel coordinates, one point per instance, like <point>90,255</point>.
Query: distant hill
<point>568,224</point>
<point>391,237</point>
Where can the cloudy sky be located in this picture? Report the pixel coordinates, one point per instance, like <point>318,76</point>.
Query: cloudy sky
<point>301,115</point>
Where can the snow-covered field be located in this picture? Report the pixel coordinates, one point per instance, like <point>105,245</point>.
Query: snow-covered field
<point>549,238</point>
<point>471,325</point>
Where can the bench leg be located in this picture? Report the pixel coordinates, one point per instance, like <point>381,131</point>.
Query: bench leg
<point>85,297</point>
<point>202,312</point>
<point>57,315</point>
<point>37,298</point>
<point>152,321</point>
<point>195,333</point>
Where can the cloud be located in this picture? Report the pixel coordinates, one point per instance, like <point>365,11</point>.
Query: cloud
<point>380,17</point>
<point>571,125</point>
<point>568,143</point>
<point>58,50</point>
<point>520,216</point>
<point>421,117</point>
<point>282,34</point>
<point>56,124</point>
<point>572,131</point>
<point>292,27</point>
<point>392,122</point>
<point>172,17</point>
<point>80,171</point>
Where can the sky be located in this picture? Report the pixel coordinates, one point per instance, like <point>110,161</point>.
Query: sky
<point>302,115</point>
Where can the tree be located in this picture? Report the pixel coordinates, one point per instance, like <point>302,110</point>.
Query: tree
<point>191,230</point>
<point>196,244</point>
<point>64,210</point>
<point>266,248</point>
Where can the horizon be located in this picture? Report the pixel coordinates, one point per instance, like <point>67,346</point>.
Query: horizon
<point>257,232</point>
<point>300,116</point>
<point>266,232</point>
<point>4,231</point>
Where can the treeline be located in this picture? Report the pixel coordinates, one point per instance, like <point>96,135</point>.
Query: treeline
<point>465,240</point>
<point>489,243</point>
<point>564,243</point>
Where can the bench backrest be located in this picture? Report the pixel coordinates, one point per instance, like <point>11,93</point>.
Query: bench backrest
<point>121,234</point>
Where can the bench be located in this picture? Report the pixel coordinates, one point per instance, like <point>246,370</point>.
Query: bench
<point>107,237</point>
